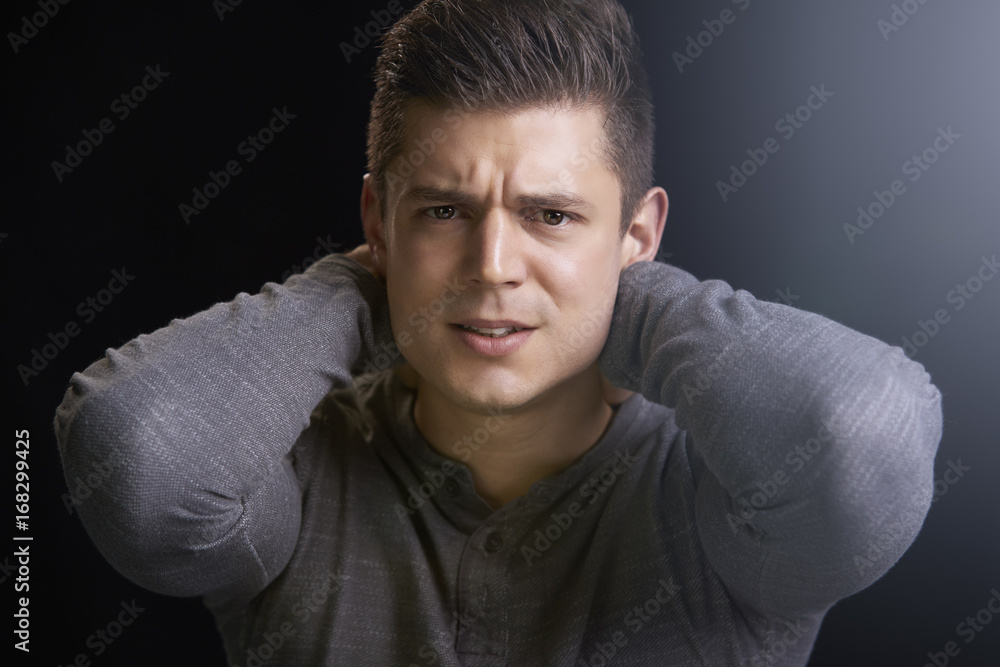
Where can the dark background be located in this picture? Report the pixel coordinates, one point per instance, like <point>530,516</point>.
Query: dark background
<point>782,231</point>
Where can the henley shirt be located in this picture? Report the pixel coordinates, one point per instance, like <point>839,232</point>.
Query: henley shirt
<point>262,454</point>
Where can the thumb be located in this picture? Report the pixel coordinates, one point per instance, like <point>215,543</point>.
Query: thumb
<point>612,394</point>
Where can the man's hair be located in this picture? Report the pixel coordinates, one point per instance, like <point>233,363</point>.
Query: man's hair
<point>510,56</point>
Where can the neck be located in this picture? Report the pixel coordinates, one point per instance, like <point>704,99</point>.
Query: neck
<point>510,449</point>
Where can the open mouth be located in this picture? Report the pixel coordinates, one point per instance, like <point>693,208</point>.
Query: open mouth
<point>492,333</point>
<point>493,340</point>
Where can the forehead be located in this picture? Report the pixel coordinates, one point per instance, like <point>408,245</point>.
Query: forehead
<point>546,145</point>
<point>420,114</point>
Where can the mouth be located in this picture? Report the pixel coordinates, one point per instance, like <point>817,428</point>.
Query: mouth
<point>492,339</point>
<point>492,329</point>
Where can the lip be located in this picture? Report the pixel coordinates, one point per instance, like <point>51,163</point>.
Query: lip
<point>493,324</point>
<point>488,346</point>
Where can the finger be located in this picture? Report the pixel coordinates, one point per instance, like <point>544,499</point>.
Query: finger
<point>612,394</point>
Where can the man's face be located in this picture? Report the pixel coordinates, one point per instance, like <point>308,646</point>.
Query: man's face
<point>505,218</point>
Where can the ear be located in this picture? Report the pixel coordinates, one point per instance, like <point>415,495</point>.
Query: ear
<point>371,218</point>
<point>642,241</point>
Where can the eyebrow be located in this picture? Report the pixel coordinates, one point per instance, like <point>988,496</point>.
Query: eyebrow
<point>549,200</point>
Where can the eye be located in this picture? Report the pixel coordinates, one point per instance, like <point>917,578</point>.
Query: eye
<point>555,218</point>
<point>443,212</point>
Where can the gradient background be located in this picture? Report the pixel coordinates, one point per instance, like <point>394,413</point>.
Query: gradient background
<point>782,231</point>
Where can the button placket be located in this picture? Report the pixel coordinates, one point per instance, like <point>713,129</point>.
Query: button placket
<point>482,591</point>
<point>540,494</point>
<point>493,542</point>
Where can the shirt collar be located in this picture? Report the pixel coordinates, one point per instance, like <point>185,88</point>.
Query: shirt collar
<point>462,504</point>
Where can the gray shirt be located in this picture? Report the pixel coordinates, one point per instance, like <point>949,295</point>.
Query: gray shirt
<point>262,455</point>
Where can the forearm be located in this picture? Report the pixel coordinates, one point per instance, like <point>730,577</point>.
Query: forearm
<point>197,418</point>
<point>816,437</point>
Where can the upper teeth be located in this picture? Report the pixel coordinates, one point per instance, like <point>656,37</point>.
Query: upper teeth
<point>492,332</point>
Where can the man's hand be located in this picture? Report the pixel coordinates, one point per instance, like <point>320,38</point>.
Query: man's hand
<point>612,394</point>
<point>363,256</point>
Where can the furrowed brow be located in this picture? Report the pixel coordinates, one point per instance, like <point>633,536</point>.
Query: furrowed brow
<point>547,200</point>
<point>555,200</point>
<point>431,193</point>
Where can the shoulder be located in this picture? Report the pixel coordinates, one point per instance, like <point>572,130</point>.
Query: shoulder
<point>343,426</point>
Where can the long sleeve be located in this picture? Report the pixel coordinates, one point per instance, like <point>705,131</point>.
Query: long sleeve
<point>190,429</point>
<point>812,445</point>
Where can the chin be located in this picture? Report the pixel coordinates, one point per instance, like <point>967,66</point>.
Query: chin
<point>478,392</point>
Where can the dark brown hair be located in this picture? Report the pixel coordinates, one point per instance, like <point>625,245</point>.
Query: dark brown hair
<point>503,57</point>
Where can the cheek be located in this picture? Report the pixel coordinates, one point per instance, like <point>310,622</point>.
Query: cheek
<point>418,299</point>
<point>398,311</point>
<point>585,294</point>
<point>401,284</point>
<point>407,306</point>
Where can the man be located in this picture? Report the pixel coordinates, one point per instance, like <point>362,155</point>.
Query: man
<point>580,457</point>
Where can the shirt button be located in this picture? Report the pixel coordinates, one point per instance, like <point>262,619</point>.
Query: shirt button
<point>451,488</point>
<point>540,492</point>
<point>493,542</point>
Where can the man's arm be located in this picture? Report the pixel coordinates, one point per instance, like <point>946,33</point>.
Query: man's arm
<point>193,425</point>
<point>818,441</point>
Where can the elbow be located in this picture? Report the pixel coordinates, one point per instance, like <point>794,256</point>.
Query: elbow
<point>136,489</point>
<point>889,427</point>
<point>880,479</point>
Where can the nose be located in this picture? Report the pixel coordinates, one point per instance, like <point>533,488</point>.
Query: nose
<point>495,256</point>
